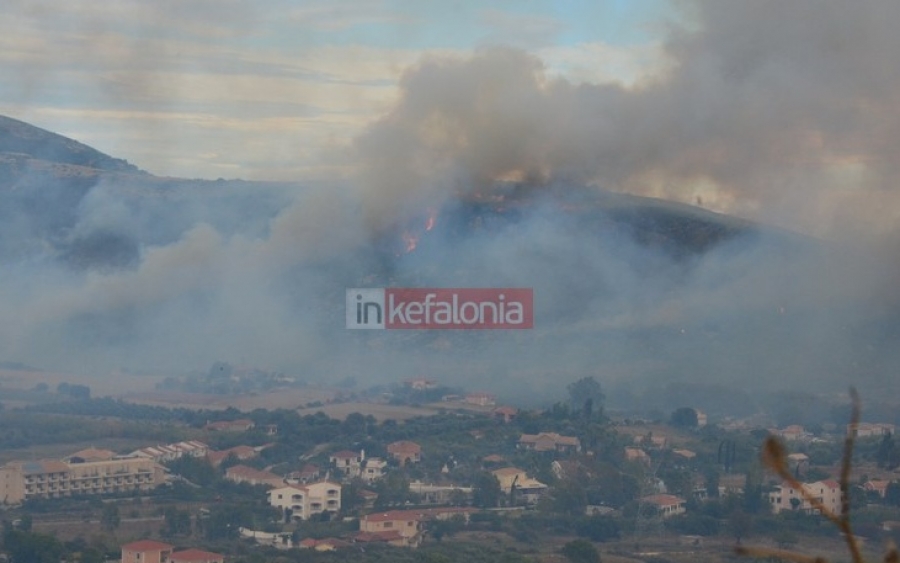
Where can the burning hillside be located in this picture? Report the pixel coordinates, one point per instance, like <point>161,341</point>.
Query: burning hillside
<point>168,274</point>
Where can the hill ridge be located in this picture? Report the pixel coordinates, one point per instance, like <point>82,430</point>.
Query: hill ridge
<point>21,138</point>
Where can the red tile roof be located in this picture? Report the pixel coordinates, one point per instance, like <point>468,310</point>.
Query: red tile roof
<point>404,446</point>
<point>345,454</point>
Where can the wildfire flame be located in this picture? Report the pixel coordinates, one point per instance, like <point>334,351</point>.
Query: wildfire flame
<point>410,237</point>
<point>410,241</point>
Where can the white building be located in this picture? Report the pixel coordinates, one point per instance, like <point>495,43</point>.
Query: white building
<point>373,469</point>
<point>786,497</point>
<point>666,505</point>
<point>170,452</point>
<point>82,473</point>
<point>300,502</point>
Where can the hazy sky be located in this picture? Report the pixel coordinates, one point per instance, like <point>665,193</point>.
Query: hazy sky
<point>784,112</point>
<point>269,90</point>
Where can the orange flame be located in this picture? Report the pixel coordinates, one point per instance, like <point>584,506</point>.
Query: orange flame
<point>410,241</point>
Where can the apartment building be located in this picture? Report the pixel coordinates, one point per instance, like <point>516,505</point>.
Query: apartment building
<point>78,474</point>
<point>787,498</point>
<point>299,502</point>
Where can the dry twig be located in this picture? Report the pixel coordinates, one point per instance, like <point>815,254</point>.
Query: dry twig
<point>775,457</point>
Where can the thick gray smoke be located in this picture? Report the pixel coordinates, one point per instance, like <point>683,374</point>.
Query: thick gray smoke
<point>778,112</point>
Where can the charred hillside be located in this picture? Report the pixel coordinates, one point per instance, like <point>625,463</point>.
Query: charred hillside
<point>48,181</point>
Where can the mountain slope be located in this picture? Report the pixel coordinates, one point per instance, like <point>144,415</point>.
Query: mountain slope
<point>18,139</point>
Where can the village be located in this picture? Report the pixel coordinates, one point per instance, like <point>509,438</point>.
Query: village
<point>278,482</point>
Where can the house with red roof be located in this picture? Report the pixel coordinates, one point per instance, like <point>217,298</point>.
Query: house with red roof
<point>307,474</point>
<point>786,497</point>
<point>146,551</point>
<point>348,462</point>
<point>877,486</point>
<point>239,452</point>
<point>407,524</point>
<point>549,442</point>
<point>505,413</point>
<point>405,451</point>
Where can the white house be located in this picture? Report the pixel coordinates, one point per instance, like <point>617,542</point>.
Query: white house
<point>300,502</point>
<point>786,497</point>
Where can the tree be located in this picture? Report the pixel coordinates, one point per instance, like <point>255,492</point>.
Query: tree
<point>92,555</point>
<point>785,538</point>
<point>110,518</point>
<point>598,528</point>
<point>892,493</point>
<point>32,547</point>
<point>393,490</point>
<point>712,482</point>
<point>753,500</point>
<point>352,495</point>
<point>568,496</point>
<point>486,490</point>
<point>586,396</point>
<point>447,528</point>
<point>888,455</point>
<point>581,551</point>
<point>684,417</point>
<point>177,522</point>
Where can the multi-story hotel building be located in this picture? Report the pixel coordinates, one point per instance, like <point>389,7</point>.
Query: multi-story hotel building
<point>89,472</point>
